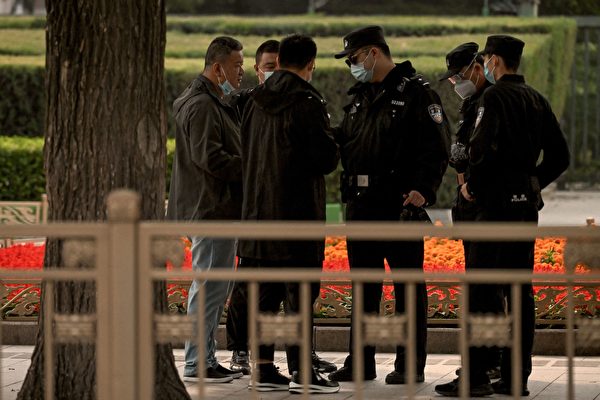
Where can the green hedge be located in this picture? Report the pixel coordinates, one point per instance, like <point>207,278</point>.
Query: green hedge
<point>22,172</point>
<point>21,106</point>
<point>319,25</point>
<point>21,168</point>
<point>546,65</point>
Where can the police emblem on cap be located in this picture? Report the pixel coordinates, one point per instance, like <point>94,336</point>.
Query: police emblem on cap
<point>345,44</point>
<point>435,112</point>
<point>447,63</point>
<point>479,116</point>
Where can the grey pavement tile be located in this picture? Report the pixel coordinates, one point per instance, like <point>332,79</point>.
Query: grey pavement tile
<point>559,391</point>
<point>578,363</point>
<point>11,392</point>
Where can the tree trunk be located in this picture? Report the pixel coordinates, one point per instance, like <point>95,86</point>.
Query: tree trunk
<point>105,129</point>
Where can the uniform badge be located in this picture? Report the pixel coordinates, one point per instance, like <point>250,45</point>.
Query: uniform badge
<point>345,44</point>
<point>435,112</point>
<point>400,87</point>
<point>447,63</point>
<point>479,116</point>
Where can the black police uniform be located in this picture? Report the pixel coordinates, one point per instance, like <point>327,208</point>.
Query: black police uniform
<point>514,124</point>
<point>462,210</point>
<point>394,138</point>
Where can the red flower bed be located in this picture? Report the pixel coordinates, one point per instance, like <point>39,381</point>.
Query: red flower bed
<point>441,255</point>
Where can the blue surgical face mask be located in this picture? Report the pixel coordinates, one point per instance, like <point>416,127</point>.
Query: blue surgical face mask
<point>489,75</point>
<point>360,73</point>
<point>268,74</point>
<point>226,87</point>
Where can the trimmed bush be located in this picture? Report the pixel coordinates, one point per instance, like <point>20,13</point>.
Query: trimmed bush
<point>546,65</point>
<point>21,110</point>
<point>21,168</point>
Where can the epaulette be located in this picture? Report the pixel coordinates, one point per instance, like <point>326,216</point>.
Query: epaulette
<point>419,79</point>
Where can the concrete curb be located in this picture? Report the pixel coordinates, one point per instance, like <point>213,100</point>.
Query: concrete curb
<point>548,342</point>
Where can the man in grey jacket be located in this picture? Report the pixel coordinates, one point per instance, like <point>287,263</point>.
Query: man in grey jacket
<point>206,185</point>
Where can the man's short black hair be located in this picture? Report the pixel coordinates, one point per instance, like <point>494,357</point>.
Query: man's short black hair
<point>220,48</point>
<point>296,51</point>
<point>512,64</point>
<point>270,46</point>
<point>385,49</point>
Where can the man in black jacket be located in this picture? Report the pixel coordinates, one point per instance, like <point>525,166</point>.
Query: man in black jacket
<point>286,149</point>
<point>465,73</point>
<point>205,184</point>
<point>394,144</point>
<point>514,125</point>
<point>237,312</point>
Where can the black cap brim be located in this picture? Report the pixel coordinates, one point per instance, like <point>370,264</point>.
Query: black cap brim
<point>449,73</point>
<point>345,53</point>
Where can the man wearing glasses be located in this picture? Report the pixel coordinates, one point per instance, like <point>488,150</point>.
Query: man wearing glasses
<point>394,145</point>
<point>517,148</point>
<point>465,73</point>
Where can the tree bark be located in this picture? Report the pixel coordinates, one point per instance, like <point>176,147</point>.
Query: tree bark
<point>105,129</point>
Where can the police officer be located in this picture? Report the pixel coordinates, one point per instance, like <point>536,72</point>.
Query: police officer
<point>394,144</point>
<point>514,125</point>
<point>465,73</point>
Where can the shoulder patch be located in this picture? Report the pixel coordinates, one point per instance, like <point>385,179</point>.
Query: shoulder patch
<point>435,112</point>
<point>479,116</point>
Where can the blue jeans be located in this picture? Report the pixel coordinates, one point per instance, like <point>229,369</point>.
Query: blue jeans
<point>208,254</point>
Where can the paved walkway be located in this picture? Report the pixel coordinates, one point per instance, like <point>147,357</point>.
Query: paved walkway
<point>548,381</point>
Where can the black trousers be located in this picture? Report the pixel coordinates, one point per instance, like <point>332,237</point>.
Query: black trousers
<point>467,211</point>
<point>371,255</point>
<point>491,298</point>
<point>237,318</point>
<point>271,295</point>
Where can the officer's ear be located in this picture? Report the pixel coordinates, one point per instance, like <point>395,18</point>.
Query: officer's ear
<point>277,65</point>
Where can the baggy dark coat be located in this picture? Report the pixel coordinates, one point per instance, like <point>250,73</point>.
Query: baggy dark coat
<point>206,175</point>
<point>287,147</point>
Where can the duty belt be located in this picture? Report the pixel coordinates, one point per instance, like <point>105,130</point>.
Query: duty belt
<point>365,181</point>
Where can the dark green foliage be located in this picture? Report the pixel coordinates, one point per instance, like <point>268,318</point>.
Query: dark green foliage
<point>569,7</point>
<point>22,100</point>
<point>21,168</point>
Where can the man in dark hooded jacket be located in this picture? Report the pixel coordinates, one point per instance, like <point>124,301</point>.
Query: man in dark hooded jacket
<point>287,147</point>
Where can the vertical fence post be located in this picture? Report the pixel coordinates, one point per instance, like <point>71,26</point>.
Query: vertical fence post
<point>123,215</point>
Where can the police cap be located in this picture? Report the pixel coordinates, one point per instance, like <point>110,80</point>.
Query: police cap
<point>505,46</point>
<point>459,58</point>
<point>371,35</point>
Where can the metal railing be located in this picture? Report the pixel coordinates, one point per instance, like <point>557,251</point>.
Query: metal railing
<point>584,108</point>
<point>130,256</point>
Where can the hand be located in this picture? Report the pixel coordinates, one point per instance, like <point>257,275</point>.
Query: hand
<point>464,191</point>
<point>415,198</point>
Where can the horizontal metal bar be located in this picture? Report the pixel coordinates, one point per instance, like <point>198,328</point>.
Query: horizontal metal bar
<point>357,230</point>
<point>60,274</point>
<point>56,229</point>
<point>368,275</point>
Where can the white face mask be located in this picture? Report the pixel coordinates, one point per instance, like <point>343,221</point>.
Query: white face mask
<point>465,88</point>
<point>266,74</point>
<point>360,73</point>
